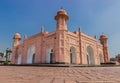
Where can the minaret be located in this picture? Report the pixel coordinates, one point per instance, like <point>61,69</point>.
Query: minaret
<point>103,41</point>
<point>61,19</point>
<point>17,39</point>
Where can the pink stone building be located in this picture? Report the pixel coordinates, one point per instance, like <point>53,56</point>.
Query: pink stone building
<point>60,46</point>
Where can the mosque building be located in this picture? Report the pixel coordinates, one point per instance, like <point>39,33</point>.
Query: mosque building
<point>60,46</point>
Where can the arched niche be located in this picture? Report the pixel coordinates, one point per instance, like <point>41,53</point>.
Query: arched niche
<point>72,55</point>
<point>31,55</point>
<point>49,55</point>
<point>90,55</point>
<point>101,58</point>
<point>19,59</point>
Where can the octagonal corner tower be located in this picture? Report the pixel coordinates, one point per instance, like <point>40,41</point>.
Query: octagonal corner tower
<point>61,19</point>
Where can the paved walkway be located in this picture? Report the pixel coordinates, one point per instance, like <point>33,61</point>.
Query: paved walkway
<point>13,74</point>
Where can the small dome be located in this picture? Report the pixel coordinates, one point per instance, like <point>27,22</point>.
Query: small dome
<point>17,36</point>
<point>62,11</point>
<point>103,36</point>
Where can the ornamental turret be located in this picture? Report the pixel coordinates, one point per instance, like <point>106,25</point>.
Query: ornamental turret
<point>61,19</point>
<point>17,39</point>
<point>103,41</point>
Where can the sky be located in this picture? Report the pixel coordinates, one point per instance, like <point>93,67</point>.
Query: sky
<point>28,16</point>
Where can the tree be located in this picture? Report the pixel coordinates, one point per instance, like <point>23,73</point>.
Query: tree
<point>1,54</point>
<point>112,59</point>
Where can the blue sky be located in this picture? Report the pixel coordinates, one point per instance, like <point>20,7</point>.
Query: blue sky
<point>27,16</point>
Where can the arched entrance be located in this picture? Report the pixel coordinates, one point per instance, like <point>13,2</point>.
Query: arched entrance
<point>31,55</point>
<point>19,59</point>
<point>49,55</point>
<point>72,55</point>
<point>101,58</point>
<point>33,59</point>
<point>90,55</point>
<point>88,61</point>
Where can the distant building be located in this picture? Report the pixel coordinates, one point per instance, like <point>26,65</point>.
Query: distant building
<point>3,57</point>
<point>60,46</point>
<point>118,58</point>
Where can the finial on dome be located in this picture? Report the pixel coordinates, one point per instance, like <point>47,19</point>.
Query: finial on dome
<point>61,7</point>
<point>102,33</point>
<point>103,36</point>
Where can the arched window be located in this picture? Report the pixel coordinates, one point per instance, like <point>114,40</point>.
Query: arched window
<point>49,55</point>
<point>19,59</point>
<point>31,55</point>
<point>33,59</point>
<point>72,55</point>
<point>90,55</point>
<point>88,59</point>
<point>101,58</point>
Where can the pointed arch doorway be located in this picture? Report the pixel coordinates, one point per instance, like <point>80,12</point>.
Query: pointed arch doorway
<point>101,58</point>
<point>90,55</point>
<point>72,55</point>
<point>49,55</point>
<point>19,59</point>
<point>31,55</point>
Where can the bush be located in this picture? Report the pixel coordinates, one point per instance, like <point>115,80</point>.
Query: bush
<point>6,63</point>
